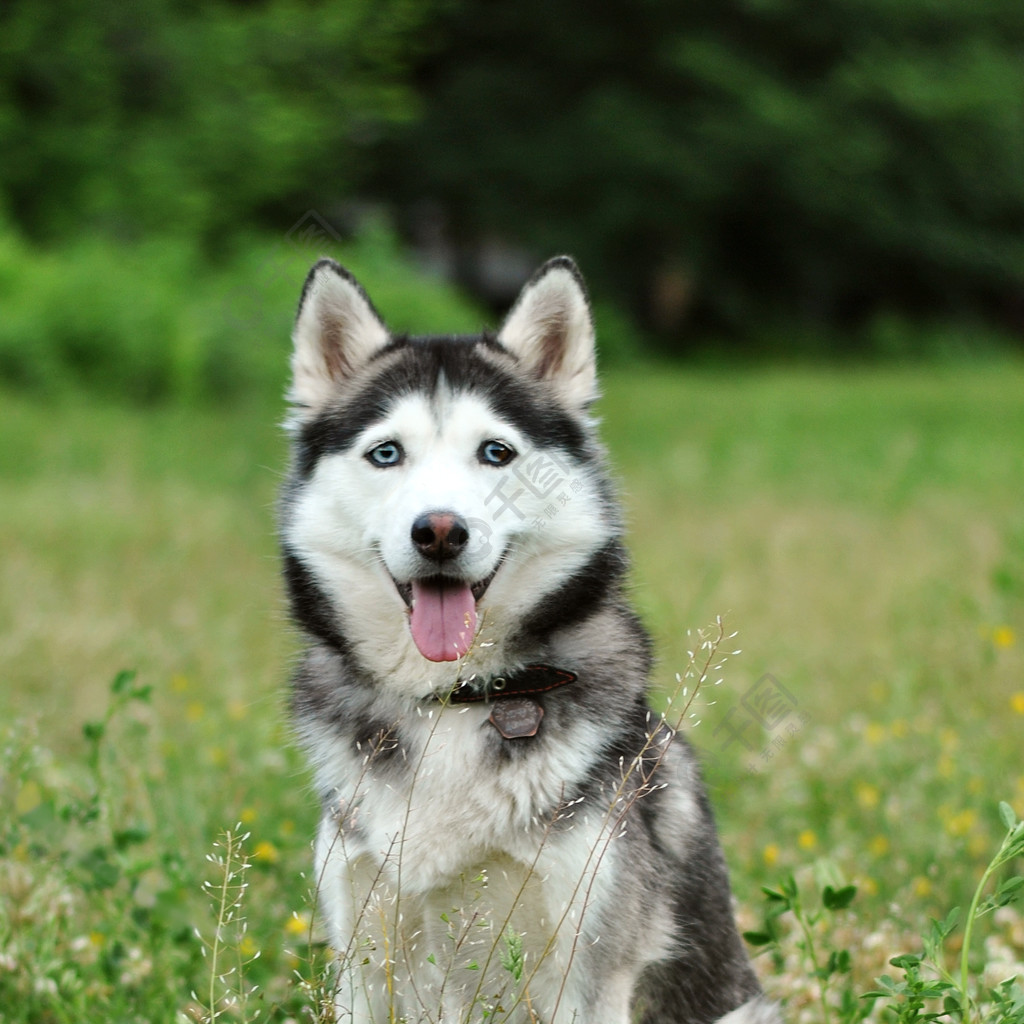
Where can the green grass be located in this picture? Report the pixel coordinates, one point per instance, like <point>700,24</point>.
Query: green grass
<point>862,530</point>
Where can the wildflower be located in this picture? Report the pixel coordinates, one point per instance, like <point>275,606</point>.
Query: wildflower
<point>807,840</point>
<point>1017,703</point>
<point>179,683</point>
<point>770,854</point>
<point>879,846</point>
<point>946,767</point>
<point>29,797</point>
<point>194,711</point>
<point>1003,637</point>
<point>247,947</point>
<point>867,795</point>
<point>874,733</point>
<point>298,924</point>
<point>961,823</point>
<point>922,886</point>
<point>266,852</point>
<point>248,815</point>
<point>899,728</point>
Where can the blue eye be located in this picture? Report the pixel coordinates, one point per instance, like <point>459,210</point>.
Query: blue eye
<point>495,453</point>
<point>389,453</point>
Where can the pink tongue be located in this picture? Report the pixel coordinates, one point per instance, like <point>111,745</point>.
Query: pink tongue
<point>443,619</point>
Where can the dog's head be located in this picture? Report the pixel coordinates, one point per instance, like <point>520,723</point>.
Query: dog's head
<point>440,482</point>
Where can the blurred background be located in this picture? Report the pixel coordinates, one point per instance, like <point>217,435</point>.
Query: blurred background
<point>758,178</point>
<point>802,225</point>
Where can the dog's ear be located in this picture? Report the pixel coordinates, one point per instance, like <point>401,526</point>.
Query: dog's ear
<point>550,329</point>
<point>336,331</point>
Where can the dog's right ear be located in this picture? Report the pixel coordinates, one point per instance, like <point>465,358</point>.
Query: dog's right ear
<point>336,331</point>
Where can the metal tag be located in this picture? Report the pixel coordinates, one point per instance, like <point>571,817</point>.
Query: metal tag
<point>516,717</point>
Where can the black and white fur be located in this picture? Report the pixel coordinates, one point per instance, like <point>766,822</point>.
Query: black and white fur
<point>443,845</point>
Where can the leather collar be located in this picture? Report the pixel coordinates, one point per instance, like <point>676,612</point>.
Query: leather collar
<point>527,682</point>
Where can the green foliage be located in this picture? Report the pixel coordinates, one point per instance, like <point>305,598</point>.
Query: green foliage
<point>929,990</point>
<point>831,971</point>
<point>805,161</point>
<point>156,321</point>
<point>195,120</point>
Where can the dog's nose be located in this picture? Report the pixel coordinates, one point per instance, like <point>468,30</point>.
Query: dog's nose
<point>440,535</point>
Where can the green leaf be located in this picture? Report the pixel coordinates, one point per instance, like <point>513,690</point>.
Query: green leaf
<point>123,681</point>
<point>838,899</point>
<point>102,872</point>
<point>130,837</point>
<point>905,960</point>
<point>93,731</point>
<point>757,938</point>
<point>774,895</point>
<point>1006,813</point>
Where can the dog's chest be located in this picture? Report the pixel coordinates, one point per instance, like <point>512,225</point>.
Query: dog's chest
<point>453,793</point>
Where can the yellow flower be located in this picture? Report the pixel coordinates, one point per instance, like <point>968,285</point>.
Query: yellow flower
<point>867,795</point>
<point>922,887</point>
<point>287,827</point>
<point>179,683</point>
<point>29,797</point>
<point>248,815</point>
<point>266,852</point>
<point>1003,636</point>
<point>869,886</point>
<point>248,947</point>
<point>237,710</point>
<point>807,840</point>
<point>298,924</point>
<point>770,854</point>
<point>899,728</point>
<point>879,846</point>
<point>1017,703</point>
<point>194,711</point>
<point>946,767</point>
<point>962,822</point>
<point>874,733</point>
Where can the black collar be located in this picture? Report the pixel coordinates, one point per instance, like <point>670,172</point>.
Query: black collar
<point>526,682</point>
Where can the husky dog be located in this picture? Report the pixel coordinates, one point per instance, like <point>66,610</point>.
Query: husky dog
<point>507,832</point>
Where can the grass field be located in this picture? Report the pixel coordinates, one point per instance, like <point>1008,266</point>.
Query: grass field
<point>862,530</point>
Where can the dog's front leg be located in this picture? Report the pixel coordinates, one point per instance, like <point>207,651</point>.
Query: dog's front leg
<point>345,895</point>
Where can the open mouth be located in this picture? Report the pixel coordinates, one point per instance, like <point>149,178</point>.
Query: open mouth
<point>442,616</point>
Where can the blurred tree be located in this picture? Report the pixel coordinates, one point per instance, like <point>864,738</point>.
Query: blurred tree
<point>725,163</point>
<point>193,117</point>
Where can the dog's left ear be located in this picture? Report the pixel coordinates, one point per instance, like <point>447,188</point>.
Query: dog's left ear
<point>550,329</point>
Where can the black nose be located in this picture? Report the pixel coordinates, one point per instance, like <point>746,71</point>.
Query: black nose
<point>440,535</point>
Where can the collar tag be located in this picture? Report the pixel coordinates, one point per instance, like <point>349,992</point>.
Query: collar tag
<point>516,717</point>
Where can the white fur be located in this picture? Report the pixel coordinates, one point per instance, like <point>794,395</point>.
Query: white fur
<point>424,868</point>
<point>551,330</point>
<point>395,858</point>
<point>351,522</point>
<point>335,332</point>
